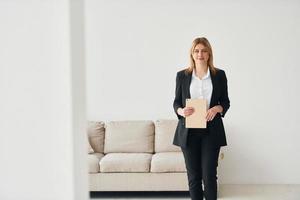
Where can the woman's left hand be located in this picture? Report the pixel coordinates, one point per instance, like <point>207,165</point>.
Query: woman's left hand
<point>211,113</point>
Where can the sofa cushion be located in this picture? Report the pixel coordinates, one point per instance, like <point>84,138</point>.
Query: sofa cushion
<point>129,137</point>
<point>96,135</point>
<point>164,134</point>
<point>89,148</point>
<point>125,162</point>
<point>93,162</point>
<point>168,162</point>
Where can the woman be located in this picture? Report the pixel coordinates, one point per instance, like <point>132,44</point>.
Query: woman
<point>201,146</point>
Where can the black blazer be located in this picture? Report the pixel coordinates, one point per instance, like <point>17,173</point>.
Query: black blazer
<point>216,133</point>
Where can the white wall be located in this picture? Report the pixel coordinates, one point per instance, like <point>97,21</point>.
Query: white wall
<point>78,86</point>
<point>134,49</point>
<point>41,115</point>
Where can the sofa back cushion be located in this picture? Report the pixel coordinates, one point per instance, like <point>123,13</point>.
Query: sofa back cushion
<point>96,135</point>
<point>129,137</point>
<point>164,134</point>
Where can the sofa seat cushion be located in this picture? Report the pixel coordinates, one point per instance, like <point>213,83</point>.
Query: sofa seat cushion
<point>168,162</point>
<point>93,161</point>
<point>126,162</point>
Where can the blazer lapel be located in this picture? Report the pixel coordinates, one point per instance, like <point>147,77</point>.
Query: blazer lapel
<point>188,80</point>
<point>214,85</point>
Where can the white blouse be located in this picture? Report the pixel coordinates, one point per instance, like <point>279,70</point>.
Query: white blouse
<point>201,88</point>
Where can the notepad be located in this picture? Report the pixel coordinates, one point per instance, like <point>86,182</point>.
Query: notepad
<point>197,119</point>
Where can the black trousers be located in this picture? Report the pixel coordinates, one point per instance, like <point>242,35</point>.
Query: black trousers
<point>201,162</point>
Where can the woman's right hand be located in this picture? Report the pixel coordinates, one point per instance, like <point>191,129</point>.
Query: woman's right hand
<point>186,111</point>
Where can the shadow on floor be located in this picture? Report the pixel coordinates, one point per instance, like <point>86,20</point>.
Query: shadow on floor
<point>139,194</point>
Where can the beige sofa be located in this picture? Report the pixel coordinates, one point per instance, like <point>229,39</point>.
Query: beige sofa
<point>135,156</point>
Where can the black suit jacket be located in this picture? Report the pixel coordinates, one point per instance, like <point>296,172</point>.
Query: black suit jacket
<point>216,133</point>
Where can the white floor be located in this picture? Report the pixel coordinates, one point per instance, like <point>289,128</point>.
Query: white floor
<point>227,192</point>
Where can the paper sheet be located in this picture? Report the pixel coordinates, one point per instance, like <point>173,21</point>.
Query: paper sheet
<point>197,119</point>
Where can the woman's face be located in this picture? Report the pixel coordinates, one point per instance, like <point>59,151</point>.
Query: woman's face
<point>200,54</point>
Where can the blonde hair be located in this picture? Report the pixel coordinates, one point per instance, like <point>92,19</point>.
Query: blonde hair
<point>204,42</point>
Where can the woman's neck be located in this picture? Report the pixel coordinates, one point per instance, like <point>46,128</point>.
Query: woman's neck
<point>201,70</point>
